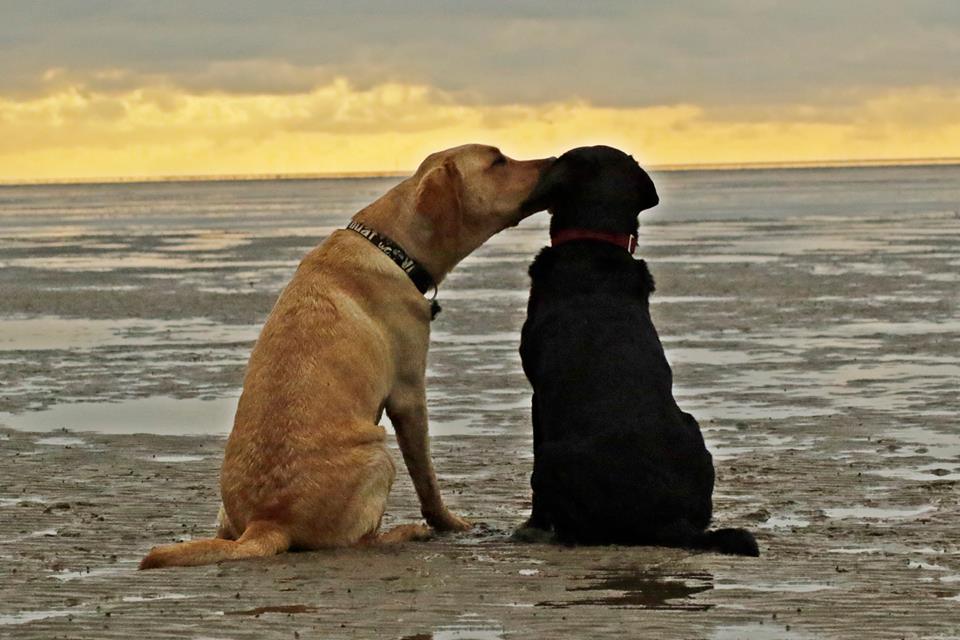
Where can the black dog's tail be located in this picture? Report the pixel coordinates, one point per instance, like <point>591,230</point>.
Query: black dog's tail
<point>737,542</point>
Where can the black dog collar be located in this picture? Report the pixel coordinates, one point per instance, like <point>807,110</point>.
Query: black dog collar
<point>420,277</point>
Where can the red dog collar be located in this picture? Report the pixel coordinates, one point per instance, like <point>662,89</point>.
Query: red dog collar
<point>622,240</point>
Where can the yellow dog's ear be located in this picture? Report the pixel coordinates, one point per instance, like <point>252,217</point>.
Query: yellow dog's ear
<point>438,198</point>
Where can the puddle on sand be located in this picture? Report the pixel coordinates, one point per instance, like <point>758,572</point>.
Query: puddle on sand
<point>756,631</point>
<point>164,415</point>
<point>156,414</point>
<point>927,566</point>
<point>45,333</point>
<point>940,445</point>
<point>61,442</point>
<point>778,587</point>
<point>856,550</point>
<point>693,355</point>
<point>659,299</point>
<point>24,617</point>
<point>924,473</point>
<point>284,608</point>
<point>467,627</point>
<point>641,590</point>
<point>205,242</point>
<point>174,457</point>
<point>159,596</point>
<point>878,513</point>
<point>43,533</point>
<point>14,502</point>
<point>784,521</point>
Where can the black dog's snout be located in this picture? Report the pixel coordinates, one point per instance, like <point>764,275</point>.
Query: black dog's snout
<point>545,189</point>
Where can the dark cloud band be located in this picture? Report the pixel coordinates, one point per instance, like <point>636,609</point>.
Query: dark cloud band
<point>608,53</point>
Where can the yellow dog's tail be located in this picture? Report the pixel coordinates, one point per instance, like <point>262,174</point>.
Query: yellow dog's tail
<point>261,538</point>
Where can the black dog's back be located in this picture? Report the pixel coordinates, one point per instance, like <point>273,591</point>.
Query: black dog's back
<point>615,460</point>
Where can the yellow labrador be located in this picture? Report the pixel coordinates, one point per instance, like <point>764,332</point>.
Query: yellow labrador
<point>307,465</point>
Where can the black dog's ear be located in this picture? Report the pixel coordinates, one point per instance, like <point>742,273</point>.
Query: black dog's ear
<point>553,183</point>
<point>647,191</point>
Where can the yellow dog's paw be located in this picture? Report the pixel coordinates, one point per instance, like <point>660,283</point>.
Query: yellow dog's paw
<point>447,521</point>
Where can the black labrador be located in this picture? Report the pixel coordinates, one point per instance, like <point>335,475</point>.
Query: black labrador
<point>615,459</point>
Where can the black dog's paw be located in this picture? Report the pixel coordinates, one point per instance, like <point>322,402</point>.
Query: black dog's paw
<point>533,535</point>
<point>738,542</point>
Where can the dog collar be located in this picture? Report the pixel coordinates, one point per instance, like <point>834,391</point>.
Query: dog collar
<point>420,277</point>
<point>622,240</point>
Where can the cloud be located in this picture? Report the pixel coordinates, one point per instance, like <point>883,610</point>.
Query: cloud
<point>341,127</point>
<point>610,53</point>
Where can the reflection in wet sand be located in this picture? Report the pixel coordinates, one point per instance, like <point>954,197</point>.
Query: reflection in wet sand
<point>641,590</point>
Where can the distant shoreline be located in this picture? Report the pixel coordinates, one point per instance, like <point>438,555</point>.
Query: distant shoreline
<point>366,175</point>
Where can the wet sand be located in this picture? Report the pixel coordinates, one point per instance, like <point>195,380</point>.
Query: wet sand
<point>821,357</point>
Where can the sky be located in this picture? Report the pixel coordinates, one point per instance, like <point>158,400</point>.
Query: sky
<point>128,88</point>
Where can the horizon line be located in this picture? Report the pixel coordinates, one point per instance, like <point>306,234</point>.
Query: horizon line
<point>347,175</point>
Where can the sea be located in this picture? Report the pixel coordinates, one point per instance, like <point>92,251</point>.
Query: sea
<point>686,195</point>
<point>132,307</point>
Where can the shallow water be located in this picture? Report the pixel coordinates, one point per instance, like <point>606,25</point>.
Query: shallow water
<point>132,308</point>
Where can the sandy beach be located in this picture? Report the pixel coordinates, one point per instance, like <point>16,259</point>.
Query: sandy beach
<point>821,356</point>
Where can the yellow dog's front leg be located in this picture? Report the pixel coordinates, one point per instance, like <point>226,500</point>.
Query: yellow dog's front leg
<point>407,409</point>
